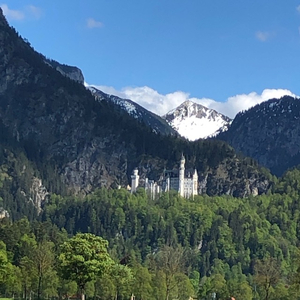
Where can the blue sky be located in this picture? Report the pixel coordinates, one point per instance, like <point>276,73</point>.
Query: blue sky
<point>225,54</point>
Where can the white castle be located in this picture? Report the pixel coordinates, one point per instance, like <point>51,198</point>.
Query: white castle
<point>186,183</point>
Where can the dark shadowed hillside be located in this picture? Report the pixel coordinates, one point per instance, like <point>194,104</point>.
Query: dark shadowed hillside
<point>269,133</point>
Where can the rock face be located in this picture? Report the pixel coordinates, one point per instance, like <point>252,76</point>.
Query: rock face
<point>269,133</point>
<point>72,72</point>
<point>22,192</point>
<point>87,142</point>
<point>229,178</point>
<point>194,121</point>
<point>3,213</point>
<point>38,193</point>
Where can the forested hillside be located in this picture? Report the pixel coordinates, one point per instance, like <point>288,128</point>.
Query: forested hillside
<point>269,133</point>
<point>246,248</point>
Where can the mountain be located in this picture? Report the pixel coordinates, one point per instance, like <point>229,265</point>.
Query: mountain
<point>76,143</point>
<point>156,123</point>
<point>194,121</point>
<point>72,72</point>
<point>268,132</point>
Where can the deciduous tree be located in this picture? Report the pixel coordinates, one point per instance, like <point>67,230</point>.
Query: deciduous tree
<point>83,258</point>
<point>267,275</point>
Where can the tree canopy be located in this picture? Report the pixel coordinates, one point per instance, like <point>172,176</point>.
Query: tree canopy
<point>83,258</point>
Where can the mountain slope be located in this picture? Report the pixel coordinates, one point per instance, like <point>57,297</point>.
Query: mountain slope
<point>194,121</point>
<point>72,72</point>
<point>268,132</point>
<point>156,123</point>
<point>87,144</point>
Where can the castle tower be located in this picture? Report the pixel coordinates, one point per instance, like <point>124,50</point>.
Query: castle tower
<point>195,183</point>
<point>167,184</point>
<point>181,176</point>
<point>134,180</point>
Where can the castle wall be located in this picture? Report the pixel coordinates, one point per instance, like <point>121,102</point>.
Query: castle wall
<point>185,186</point>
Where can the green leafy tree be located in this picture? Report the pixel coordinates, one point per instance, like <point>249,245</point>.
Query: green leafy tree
<point>185,288</point>
<point>213,284</point>
<point>66,289</point>
<point>3,261</point>
<point>44,261</point>
<point>267,275</point>
<point>29,276</point>
<point>240,290</point>
<point>171,262</point>
<point>142,283</point>
<point>121,277</point>
<point>158,285</point>
<point>104,287</point>
<point>25,247</point>
<point>83,258</point>
<point>13,285</point>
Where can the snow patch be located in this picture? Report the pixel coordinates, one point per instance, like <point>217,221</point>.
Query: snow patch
<point>194,121</point>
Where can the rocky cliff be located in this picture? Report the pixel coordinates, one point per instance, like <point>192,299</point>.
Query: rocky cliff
<point>72,72</point>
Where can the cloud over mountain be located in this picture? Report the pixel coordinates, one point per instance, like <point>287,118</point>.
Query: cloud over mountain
<point>29,11</point>
<point>12,13</point>
<point>161,104</point>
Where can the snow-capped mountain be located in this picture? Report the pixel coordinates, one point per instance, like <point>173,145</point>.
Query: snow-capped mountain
<point>155,122</point>
<point>194,121</point>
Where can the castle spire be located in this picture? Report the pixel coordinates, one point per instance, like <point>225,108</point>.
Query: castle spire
<point>181,176</point>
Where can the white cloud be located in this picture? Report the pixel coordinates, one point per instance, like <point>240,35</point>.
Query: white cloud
<point>34,11</point>
<point>298,8</point>
<point>92,23</point>
<point>149,98</point>
<point>263,35</point>
<point>11,13</point>
<point>237,103</point>
<point>29,11</point>
<point>161,104</point>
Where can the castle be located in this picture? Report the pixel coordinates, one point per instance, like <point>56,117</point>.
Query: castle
<point>185,182</point>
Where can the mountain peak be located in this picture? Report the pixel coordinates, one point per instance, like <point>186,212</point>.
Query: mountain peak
<point>194,121</point>
<point>3,21</point>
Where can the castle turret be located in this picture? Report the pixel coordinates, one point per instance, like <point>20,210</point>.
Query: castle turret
<point>195,183</point>
<point>135,180</point>
<point>181,176</point>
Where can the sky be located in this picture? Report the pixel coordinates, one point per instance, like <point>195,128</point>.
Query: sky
<point>225,54</point>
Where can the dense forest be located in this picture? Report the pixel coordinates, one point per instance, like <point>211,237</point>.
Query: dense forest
<point>166,248</point>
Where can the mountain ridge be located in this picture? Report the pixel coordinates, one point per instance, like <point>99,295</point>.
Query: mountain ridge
<point>269,132</point>
<point>155,122</point>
